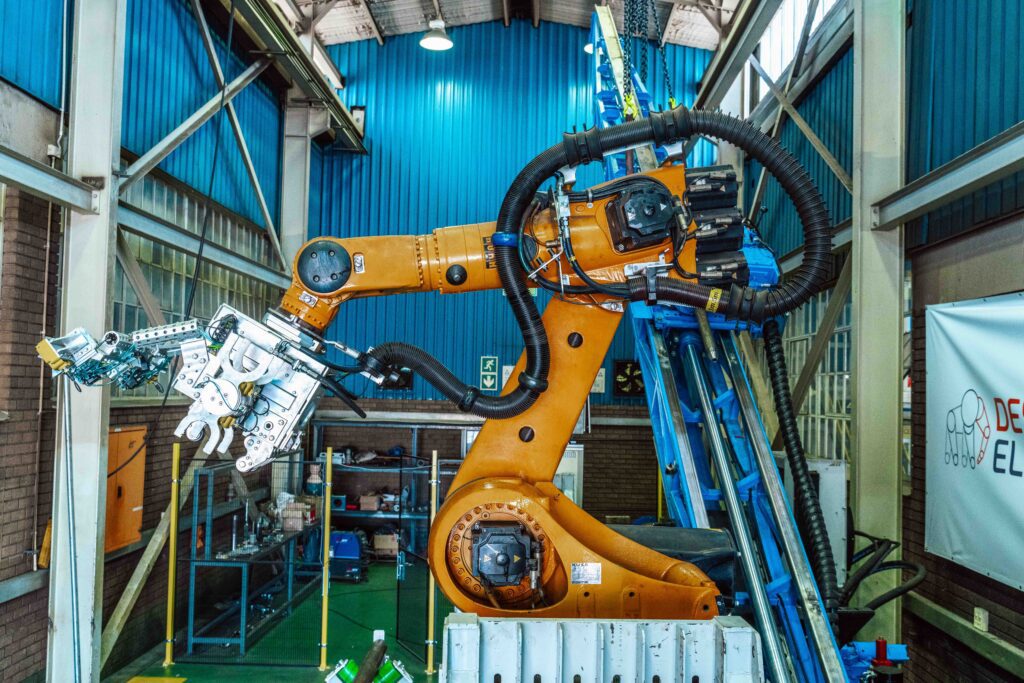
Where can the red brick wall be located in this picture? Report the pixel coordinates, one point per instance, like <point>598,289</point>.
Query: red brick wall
<point>23,629</point>
<point>970,267</point>
<point>619,464</point>
<point>23,621</point>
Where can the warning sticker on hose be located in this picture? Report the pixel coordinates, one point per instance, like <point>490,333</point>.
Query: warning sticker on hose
<point>585,573</point>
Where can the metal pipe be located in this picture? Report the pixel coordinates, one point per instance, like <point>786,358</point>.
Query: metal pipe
<point>688,471</point>
<point>41,398</point>
<point>172,552</point>
<point>69,489</point>
<point>821,631</point>
<point>371,663</point>
<point>326,587</point>
<point>431,642</point>
<point>755,582</point>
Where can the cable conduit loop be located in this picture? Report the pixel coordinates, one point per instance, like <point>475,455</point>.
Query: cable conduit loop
<point>590,145</point>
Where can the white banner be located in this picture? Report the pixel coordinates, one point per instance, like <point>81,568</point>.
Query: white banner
<point>974,495</point>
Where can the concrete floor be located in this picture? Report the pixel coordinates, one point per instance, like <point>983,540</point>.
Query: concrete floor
<point>356,610</point>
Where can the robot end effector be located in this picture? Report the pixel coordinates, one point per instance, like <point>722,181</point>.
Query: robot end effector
<point>263,378</point>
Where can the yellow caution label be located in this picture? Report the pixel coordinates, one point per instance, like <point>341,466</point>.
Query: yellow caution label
<point>713,300</point>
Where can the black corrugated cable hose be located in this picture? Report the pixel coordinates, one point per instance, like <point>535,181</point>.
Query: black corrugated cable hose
<point>744,303</point>
<point>591,145</point>
<point>809,518</point>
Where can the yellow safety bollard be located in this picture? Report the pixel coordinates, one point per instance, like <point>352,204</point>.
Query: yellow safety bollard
<point>329,469</point>
<point>172,553</point>
<point>661,494</point>
<point>430,575</point>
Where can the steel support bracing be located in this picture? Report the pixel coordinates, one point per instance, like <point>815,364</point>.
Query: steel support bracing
<point>152,228</point>
<point>992,160</point>
<point>303,121</point>
<point>805,128</point>
<point>236,129</point>
<point>822,337</point>
<point>46,183</point>
<point>793,72</point>
<point>137,279</point>
<point>879,35</point>
<point>148,161</point>
<point>745,30</point>
<point>828,42</point>
<point>80,473</point>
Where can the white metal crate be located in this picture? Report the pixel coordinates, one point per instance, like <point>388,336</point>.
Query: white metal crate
<point>479,650</point>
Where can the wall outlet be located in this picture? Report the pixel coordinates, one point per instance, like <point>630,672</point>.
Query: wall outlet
<point>981,619</point>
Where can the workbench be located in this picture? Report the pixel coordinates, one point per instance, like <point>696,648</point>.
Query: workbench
<point>280,548</point>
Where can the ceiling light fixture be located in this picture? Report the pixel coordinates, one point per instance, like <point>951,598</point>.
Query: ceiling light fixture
<point>436,38</point>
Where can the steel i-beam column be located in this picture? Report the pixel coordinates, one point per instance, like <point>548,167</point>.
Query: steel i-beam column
<point>303,121</point>
<point>878,139</point>
<point>89,247</point>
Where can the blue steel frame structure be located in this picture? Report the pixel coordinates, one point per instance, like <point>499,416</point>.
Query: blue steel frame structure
<point>680,330</point>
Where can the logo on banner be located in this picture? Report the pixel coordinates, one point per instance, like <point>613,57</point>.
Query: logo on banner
<point>968,431</point>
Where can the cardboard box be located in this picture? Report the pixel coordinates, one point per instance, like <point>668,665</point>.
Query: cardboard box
<point>371,503</point>
<point>294,517</point>
<point>385,545</point>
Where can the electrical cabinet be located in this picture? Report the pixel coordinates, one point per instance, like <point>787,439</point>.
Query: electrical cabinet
<point>569,476</point>
<point>125,487</point>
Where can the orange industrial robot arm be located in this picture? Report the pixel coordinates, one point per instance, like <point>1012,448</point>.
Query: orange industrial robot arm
<point>328,271</point>
<point>505,482</point>
<point>507,541</point>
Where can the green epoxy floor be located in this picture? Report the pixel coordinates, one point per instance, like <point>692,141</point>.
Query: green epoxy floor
<point>356,611</point>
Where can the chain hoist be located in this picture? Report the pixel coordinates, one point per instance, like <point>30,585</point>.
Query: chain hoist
<point>628,11</point>
<point>664,59</point>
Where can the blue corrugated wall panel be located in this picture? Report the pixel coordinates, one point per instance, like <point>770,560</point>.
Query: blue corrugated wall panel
<point>964,86</point>
<point>167,77</point>
<point>30,46</point>
<point>828,108</point>
<point>447,133</point>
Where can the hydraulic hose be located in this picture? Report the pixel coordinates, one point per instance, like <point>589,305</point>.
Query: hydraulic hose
<point>809,518</point>
<point>592,145</point>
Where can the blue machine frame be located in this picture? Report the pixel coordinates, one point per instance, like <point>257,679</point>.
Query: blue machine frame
<point>697,388</point>
<point>676,331</point>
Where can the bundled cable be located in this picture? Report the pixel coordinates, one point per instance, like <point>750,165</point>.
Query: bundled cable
<point>869,561</point>
<point>809,518</point>
<point>584,147</point>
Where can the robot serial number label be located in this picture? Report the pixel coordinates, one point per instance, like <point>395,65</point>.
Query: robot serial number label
<point>585,573</point>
